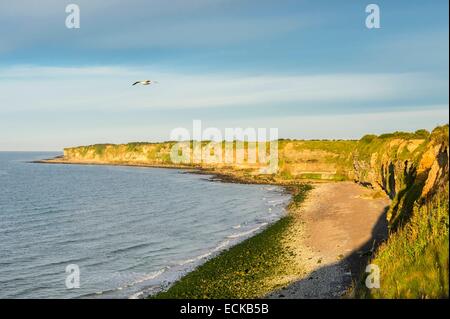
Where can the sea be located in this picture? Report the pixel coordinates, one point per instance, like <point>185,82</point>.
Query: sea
<point>90,231</point>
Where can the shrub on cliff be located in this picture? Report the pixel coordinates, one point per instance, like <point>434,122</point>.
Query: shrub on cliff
<point>414,262</point>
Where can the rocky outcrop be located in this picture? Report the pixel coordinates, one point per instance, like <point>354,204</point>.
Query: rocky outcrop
<point>409,170</point>
<point>435,161</point>
<point>408,167</point>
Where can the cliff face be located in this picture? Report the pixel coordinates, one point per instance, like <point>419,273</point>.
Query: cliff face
<point>133,153</point>
<point>411,168</point>
<point>414,261</point>
<point>384,163</point>
<point>298,160</point>
<point>408,167</point>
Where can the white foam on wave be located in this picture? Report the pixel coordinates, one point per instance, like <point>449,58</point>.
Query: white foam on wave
<point>237,235</point>
<point>139,280</point>
<point>187,261</point>
<point>147,277</point>
<point>230,240</point>
<point>205,255</point>
<point>191,260</point>
<point>277,201</point>
<point>137,295</point>
<point>222,245</point>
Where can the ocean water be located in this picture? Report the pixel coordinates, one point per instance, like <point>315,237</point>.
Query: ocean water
<point>130,231</point>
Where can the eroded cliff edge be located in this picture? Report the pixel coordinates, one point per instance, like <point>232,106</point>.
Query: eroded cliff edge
<point>411,168</point>
<point>406,166</point>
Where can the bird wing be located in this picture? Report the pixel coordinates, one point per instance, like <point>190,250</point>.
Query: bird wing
<point>136,82</point>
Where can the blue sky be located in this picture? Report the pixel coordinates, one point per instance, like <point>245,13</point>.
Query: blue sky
<point>310,68</point>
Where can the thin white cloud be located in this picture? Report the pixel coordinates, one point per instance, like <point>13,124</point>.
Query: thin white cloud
<point>204,32</point>
<point>349,126</point>
<point>110,88</point>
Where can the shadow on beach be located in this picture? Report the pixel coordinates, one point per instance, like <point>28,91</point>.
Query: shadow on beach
<point>334,280</point>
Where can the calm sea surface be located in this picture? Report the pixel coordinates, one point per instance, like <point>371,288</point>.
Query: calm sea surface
<point>129,230</point>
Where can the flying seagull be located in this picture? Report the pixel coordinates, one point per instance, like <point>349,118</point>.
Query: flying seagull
<point>145,82</point>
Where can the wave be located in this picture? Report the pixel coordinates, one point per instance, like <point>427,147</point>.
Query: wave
<point>125,249</point>
<point>277,202</point>
<point>137,295</point>
<point>147,277</point>
<point>180,267</point>
<point>246,233</point>
<point>131,284</point>
<point>222,245</point>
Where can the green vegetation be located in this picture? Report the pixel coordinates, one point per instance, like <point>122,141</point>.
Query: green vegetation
<point>412,168</point>
<point>135,146</point>
<point>299,193</point>
<point>414,261</point>
<point>440,134</point>
<point>330,156</point>
<point>311,176</point>
<point>394,144</point>
<point>339,147</point>
<point>419,134</point>
<point>245,270</point>
<point>239,272</point>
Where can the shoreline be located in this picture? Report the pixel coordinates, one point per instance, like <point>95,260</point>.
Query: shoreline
<point>252,268</point>
<point>228,243</point>
<point>292,258</point>
<point>217,174</point>
<point>317,251</point>
<point>214,176</point>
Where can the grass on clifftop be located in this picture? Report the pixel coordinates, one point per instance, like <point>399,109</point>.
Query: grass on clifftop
<point>247,270</point>
<point>414,262</point>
